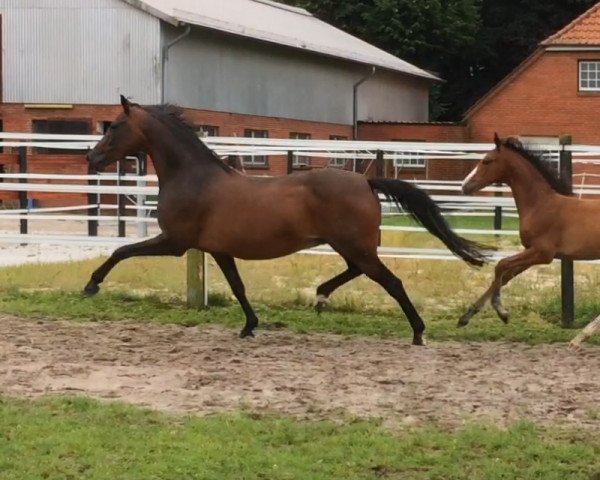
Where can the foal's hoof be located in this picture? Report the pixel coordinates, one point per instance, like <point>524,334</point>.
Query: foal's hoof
<point>91,289</point>
<point>575,346</point>
<point>466,318</point>
<point>419,339</point>
<point>247,333</point>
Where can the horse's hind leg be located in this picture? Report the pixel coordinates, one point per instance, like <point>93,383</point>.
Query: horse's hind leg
<point>157,246</point>
<point>327,288</point>
<point>229,269</point>
<point>378,272</point>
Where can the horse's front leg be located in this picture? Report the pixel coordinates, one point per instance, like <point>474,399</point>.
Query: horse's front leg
<point>506,269</point>
<point>227,265</point>
<point>157,246</point>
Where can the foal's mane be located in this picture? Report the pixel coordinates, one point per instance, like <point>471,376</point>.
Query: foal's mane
<point>172,117</point>
<point>559,185</point>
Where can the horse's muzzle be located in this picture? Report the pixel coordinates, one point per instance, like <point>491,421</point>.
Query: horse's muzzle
<point>98,162</point>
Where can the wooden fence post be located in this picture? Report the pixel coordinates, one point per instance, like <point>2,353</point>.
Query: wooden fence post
<point>23,200</point>
<point>93,199</point>
<point>379,164</point>
<point>142,226</point>
<point>197,279</point>
<point>566,266</point>
<point>290,162</point>
<point>497,214</point>
<point>121,212</point>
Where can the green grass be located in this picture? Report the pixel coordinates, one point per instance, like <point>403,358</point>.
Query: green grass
<point>474,222</point>
<point>62,439</point>
<point>110,306</point>
<point>283,290</point>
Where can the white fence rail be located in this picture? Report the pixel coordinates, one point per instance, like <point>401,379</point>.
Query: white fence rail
<point>139,187</point>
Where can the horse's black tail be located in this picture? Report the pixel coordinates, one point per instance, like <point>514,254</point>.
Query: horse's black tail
<point>425,211</point>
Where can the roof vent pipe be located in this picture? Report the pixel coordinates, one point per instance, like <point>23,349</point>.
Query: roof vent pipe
<point>355,101</point>
<point>165,56</point>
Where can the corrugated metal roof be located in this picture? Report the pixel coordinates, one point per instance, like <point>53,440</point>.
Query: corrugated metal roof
<point>277,23</point>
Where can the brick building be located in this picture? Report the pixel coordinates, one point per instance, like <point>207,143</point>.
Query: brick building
<point>554,92</point>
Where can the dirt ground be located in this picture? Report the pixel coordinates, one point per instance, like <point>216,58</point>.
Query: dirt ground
<point>206,370</point>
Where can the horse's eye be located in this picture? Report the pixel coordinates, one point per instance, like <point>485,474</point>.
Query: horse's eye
<point>486,162</point>
<point>113,126</point>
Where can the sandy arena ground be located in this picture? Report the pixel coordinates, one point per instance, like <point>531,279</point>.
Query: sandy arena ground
<point>206,370</point>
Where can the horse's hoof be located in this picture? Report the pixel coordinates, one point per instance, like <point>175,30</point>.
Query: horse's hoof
<point>504,316</point>
<point>575,346</point>
<point>247,333</point>
<point>320,306</point>
<point>322,302</point>
<point>419,340</point>
<point>464,320</point>
<point>91,289</point>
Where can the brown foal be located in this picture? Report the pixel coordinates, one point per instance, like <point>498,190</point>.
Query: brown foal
<point>205,204</point>
<point>552,222</point>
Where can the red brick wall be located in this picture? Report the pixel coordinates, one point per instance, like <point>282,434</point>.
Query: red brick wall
<point>428,132</point>
<point>437,169</point>
<point>543,100</point>
<point>17,118</point>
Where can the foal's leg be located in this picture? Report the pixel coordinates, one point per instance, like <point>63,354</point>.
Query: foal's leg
<point>496,300</point>
<point>378,272</point>
<point>229,269</point>
<point>159,245</point>
<point>328,287</point>
<point>590,329</point>
<point>507,268</point>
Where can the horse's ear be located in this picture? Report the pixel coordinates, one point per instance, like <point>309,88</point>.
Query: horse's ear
<point>126,104</point>
<point>497,141</point>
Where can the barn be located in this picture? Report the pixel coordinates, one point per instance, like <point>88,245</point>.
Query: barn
<point>253,68</point>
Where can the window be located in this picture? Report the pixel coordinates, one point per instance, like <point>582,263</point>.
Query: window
<point>300,160</point>
<point>337,162</point>
<point>409,159</point>
<point>103,126</point>
<point>61,127</point>
<point>589,76</point>
<point>207,131</point>
<point>255,160</point>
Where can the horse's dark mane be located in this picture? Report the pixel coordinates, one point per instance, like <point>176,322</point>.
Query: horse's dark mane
<point>184,131</point>
<point>559,185</point>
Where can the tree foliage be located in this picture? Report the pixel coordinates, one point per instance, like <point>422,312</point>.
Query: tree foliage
<point>471,44</point>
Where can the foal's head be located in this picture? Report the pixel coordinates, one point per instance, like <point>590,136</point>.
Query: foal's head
<point>123,138</point>
<point>493,168</point>
<point>498,166</point>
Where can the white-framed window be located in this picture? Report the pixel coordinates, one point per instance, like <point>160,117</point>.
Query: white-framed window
<point>338,162</point>
<point>300,160</point>
<point>409,159</point>
<point>255,160</point>
<point>589,75</point>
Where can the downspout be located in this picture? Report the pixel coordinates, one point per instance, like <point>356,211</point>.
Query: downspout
<point>165,57</point>
<point>355,101</point>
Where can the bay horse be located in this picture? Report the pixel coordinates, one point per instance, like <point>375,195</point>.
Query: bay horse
<point>553,223</point>
<point>206,205</point>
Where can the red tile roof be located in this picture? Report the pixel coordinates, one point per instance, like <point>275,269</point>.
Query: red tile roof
<point>584,30</point>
